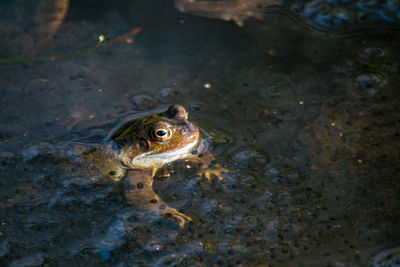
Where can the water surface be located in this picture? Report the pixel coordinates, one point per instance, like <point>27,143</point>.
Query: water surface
<point>307,122</point>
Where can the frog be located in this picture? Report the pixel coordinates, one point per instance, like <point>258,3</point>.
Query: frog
<point>136,150</point>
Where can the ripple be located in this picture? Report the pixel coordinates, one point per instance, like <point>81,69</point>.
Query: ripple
<point>371,81</point>
<point>348,65</point>
<point>273,91</point>
<point>141,102</point>
<point>195,107</point>
<point>36,150</point>
<point>168,94</point>
<point>251,159</point>
<point>284,175</point>
<point>390,257</point>
<point>325,19</point>
<point>372,53</point>
<point>120,109</point>
<point>341,17</point>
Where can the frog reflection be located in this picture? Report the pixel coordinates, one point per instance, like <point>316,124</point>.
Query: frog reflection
<point>137,149</point>
<point>229,10</point>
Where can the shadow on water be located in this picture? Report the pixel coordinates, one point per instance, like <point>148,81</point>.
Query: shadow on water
<point>306,120</point>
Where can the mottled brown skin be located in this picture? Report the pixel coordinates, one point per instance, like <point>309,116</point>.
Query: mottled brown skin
<point>138,148</point>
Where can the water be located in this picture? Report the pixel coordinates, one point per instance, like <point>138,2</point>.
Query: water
<point>306,120</point>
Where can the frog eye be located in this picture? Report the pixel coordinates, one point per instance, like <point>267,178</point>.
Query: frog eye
<point>161,132</point>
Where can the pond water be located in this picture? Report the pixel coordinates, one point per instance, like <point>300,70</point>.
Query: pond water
<point>305,115</point>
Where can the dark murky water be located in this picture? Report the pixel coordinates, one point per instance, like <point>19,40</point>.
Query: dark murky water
<point>307,122</point>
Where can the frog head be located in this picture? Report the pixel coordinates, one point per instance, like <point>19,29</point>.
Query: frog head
<point>156,139</point>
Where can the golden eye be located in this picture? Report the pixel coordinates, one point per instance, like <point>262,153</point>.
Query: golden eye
<point>161,132</point>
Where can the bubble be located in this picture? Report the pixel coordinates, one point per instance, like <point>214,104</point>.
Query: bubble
<point>348,65</point>
<point>372,53</point>
<point>168,94</point>
<point>284,175</point>
<point>251,159</point>
<point>141,102</point>
<point>371,81</point>
<point>195,107</point>
<point>154,246</point>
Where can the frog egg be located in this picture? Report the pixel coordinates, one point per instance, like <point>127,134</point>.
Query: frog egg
<point>251,159</point>
<point>313,7</point>
<point>284,175</point>
<point>154,246</point>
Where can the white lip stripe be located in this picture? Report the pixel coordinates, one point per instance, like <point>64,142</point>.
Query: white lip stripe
<point>157,160</point>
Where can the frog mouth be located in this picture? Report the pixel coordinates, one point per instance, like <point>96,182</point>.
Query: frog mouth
<point>154,159</point>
